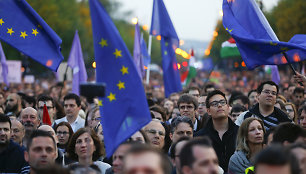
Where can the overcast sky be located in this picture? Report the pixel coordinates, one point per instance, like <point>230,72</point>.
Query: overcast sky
<point>192,19</point>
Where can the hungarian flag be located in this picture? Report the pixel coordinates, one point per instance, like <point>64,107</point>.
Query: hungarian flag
<point>46,117</point>
<point>191,72</point>
<point>229,49</point>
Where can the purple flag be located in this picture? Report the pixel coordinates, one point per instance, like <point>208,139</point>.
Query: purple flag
<point>137,53</point>
<point>4,67</point>
<point>76,62</point>
<point>274,74</point>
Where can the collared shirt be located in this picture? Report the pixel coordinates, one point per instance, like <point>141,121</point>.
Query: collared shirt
<point>76,125</point>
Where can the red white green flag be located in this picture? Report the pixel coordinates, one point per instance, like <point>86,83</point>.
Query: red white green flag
<point>191,72</point>
<point>229,49</point>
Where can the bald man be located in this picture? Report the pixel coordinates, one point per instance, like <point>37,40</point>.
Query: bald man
<point>18,132</point>
<point>29,118</point>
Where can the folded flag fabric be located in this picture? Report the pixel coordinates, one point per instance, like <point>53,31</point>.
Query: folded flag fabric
<point>229,49</point>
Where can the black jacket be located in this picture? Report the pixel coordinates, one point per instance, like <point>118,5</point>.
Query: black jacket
<point>12,158</point>
<point>224,148</point>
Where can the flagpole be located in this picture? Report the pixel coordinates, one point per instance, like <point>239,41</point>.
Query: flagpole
<point>65,78</point>
<point>291,67</point>
<point>149,52</point>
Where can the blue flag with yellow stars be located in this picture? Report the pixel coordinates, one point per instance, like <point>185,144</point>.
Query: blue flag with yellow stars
<point>124,110</point>
<point>255,39</point>
<point>162,26</point>
<point>22,28</point>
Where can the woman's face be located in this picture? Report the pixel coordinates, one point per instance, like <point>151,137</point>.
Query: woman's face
<point>62,133</point>
<point>255,133</point>
<point>290,111</point>
<point>84,146</point>
<point>94,119</point>
<point>138,137</point>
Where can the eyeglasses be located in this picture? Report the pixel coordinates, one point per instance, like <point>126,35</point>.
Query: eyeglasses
<point>62,133</point>
<point>215,103</point>
<point>188,107</point>
<point>152,131</point>
<point>267,92</point>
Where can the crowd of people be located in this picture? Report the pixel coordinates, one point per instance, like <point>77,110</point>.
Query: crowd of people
<point>233,126</point>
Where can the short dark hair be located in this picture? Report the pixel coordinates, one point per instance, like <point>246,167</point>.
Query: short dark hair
<point>45,98</point>
<point>238,108</point>
<point>73,96</point>
<point>172,148</point>
<point>180,119</point>
<point>260,87</point>
<point>298,90</point>
<point>187,98</point>
<point>268,132</point>
<point>213,93</point>
<point>194,88</point>
<point>302,108</point>
<point>186,155</point>
<point>250,92</point>
<point>277,155</point>
<point>160,110</point>
<point>39,133</point>
<point>288,132</point>
<point>5,119</point>
<point>143,148</point>
<point>208,86</point>
<point>243,98</point>
<point>97,143</point>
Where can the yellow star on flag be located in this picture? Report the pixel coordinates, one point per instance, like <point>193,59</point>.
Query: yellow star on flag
<point>10,31</point>
<point>100,103</point>
<point>35,32</point>
<point>124,70</point>
<point>1,21</point>
<point>229,30</point>
<point>103,43</point>
<point>121,85</point>
<point>272,43</point>
<point>23,34</point>
<point>117,53</point>
<point>165,52</point>
<point>111,97</point>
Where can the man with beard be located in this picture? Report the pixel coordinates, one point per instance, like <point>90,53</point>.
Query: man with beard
<point>29,119</point>
<point>11,154</point>
<point>13,104</point>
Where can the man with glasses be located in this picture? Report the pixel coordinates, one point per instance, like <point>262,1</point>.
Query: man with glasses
<point>220,128</point>
<point>188,106</point>
<point>45,99</point>
<point>271,116</point>
<point>156,133</point>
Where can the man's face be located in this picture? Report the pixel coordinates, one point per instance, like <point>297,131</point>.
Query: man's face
<point>174,98</point>
<point>182,130</point>
<point>156,134</point>
<point>169,105</point>
<point>50,107</point>
<point>253,98</point>
<point>143,163</point>
<point>218,107</point>
<point>29,119</point>
<point>71,108</point>
<point>297,98</point>
<point>12,102</point>
<point>194,93</point>
<point>234,115</point>
<point>302,119</point>
<point>17,131</point>
<point>42,153</point>
<point>187,109</point>
<point>300,154</point>
<point>2,100</point>
<point>5,133</point>
<point>118,158</point>
<point>206,161</point>
<point>268,95</point>
<point>272,169</point>
<point>202,106</point>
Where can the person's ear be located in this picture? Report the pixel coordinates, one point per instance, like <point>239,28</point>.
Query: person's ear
<point>26,156</point>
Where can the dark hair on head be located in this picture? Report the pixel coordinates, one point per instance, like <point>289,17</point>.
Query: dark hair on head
<point>97,143</point>
<point>250,92</point>
<point>288,132</point>
<point>277,155</point>
<point>5,119</point>
<point>297,145</point>
<point>208,86</point>
<point>192,88</point>
<point>160,110</point>
<point>39,133</point>
<point>45,98</point>
<point>30,100</point>
<point>187,98</point>
<point>77,168</point>
<point>213,93</point>
<point>52,169</point>
<point>186,155</point>
<point>68,126</point>
<point>238,108</point>
<point>243,98</point>
<point>302,108</point>
<point>167,137</point>
<point>74,97</point>
<point>138,149</point>
<point>268,132</point>
<point>260,87</point>
<point>180,119</point>
<point>172,148</point>
<point>298,90</point>
<point>233,96</point>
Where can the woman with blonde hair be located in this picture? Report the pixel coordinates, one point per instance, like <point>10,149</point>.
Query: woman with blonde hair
<point>250,140</point>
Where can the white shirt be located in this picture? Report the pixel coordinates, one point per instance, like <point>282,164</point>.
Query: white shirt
<point>76,125</point>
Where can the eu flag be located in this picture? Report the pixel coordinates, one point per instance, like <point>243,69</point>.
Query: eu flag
<point>255,39</point>
<point>161,25</point>
<point>25,30</point>
<point>124,110</point>
<point>144,53</point>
